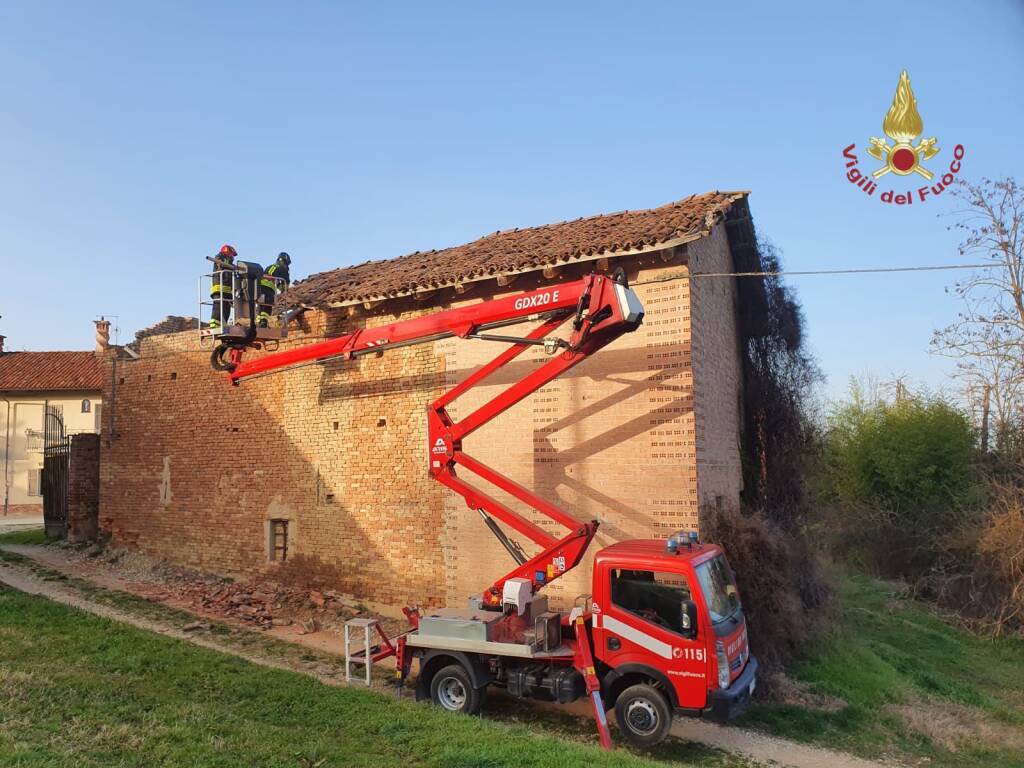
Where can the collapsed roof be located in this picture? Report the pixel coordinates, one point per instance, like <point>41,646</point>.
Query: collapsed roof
<point>516,250</point>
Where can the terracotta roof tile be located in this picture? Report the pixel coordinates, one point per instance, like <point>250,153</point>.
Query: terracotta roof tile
<point>515,250</point>
<point>39,371</point>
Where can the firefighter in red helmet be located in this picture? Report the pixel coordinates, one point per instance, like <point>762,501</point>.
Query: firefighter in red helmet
<point>220,290</point>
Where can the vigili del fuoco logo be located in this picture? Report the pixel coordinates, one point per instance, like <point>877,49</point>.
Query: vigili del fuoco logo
<point>903,158</point>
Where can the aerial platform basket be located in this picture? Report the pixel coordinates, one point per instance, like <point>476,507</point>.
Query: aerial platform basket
<point>236,306</point>
<point>240,332</point>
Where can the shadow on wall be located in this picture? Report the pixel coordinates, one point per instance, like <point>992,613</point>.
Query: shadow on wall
<point>608,363</point>
<point>576,476</point>
<point>231,451</point>
<point>554,474</point>
<point>195,466</point>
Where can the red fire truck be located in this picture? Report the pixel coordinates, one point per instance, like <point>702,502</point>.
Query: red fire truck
<point>662,631</point>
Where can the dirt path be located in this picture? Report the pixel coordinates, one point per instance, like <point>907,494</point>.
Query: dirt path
<point>765,748</point>
<point>746,743</point>
<point>22,523</point>
<point>142,577</point>
<point>29,583</point>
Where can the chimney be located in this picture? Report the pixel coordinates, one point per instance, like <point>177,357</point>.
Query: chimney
<point>2,344</point>
<point>102,336</point>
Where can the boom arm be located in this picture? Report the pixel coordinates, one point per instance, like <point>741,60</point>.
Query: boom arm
<point>602,308</point>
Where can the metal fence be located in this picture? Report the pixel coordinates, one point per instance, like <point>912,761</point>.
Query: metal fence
<point>56,472</point>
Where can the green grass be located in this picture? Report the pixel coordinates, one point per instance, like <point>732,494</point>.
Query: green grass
<point>888,652</point>
<point>231,637</point>
<point>27,536</point>
<point>77,690</point>
<point>886,657</point>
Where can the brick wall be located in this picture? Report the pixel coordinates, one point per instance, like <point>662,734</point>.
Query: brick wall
<point>83,487</point>
<point>717,374</point>
<point>611,440</point>
<point>195,469</point>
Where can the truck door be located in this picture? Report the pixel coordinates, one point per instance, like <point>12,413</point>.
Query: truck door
<point>641,623</point>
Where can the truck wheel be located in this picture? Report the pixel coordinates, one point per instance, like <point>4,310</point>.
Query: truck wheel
<point>643,715</point>
<point>452,689</point>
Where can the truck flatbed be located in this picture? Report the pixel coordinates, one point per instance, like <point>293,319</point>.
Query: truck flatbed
<point>517,650</point>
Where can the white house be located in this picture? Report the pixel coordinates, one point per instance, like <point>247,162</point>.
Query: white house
<point>69,382</point>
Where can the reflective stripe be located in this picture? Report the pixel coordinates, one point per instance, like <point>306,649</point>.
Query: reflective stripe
<point>634,635</point>
<point>269,284</point>
<point>599,709</point>
<point>220,289</point>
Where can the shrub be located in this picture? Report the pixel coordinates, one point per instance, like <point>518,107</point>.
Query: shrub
<point>909,495</point>
<point>784,593</point>
<point>785,597</point>
<point>895,478</point>
<point>1001,556</point>
<point>981,575</point>
<point>905,457</point>
<point>779,376</point>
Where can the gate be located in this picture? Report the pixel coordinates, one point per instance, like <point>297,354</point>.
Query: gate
<point>56,472</point>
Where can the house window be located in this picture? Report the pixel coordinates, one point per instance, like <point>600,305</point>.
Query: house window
<point>35,482</point>
<point>86,406</point>
<point>277,546</point>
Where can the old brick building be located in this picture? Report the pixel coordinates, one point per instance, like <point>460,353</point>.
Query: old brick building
<point>332,456</point>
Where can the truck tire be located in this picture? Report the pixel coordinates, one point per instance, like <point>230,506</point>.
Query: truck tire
<point>452,688</point>
<point>643,714</point>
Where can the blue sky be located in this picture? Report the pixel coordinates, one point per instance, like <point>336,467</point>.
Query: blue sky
<point>136,138</point>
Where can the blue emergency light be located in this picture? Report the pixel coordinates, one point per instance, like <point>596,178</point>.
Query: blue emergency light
<point>681,538</point>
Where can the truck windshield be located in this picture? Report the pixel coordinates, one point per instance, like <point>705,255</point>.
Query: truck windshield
<point>719,588</point>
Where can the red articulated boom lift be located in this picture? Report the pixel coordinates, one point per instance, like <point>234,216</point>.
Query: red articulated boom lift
<point>662,631</point>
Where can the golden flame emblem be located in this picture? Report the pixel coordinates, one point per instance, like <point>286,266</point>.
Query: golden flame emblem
<point>903,124</point>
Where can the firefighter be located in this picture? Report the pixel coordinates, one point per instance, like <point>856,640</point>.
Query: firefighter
<point>220,290</point>
<point>268,289</point>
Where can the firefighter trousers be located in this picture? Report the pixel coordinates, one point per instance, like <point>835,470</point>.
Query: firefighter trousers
<point>221,310</point>
<point>265,304</point>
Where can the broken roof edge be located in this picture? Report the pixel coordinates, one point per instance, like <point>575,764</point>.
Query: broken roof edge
<point>509,272</point>
<point>710,220</point>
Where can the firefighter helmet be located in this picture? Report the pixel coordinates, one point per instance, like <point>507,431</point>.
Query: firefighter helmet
<point>227,252</point>
<point>284,258</point>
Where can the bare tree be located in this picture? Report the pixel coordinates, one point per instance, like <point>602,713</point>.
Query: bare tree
<point>987,337</point>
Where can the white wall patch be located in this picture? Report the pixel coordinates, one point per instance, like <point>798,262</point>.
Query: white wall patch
<point>165,483</point>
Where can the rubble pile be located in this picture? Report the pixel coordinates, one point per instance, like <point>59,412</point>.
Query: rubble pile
<point>264,604</point>
<point>258,603</point>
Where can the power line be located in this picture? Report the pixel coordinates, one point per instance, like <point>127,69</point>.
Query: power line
<point>862,271</point>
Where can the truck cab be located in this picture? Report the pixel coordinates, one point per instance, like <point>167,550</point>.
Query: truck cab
<point>662,634</point>
<point>668,614</point>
